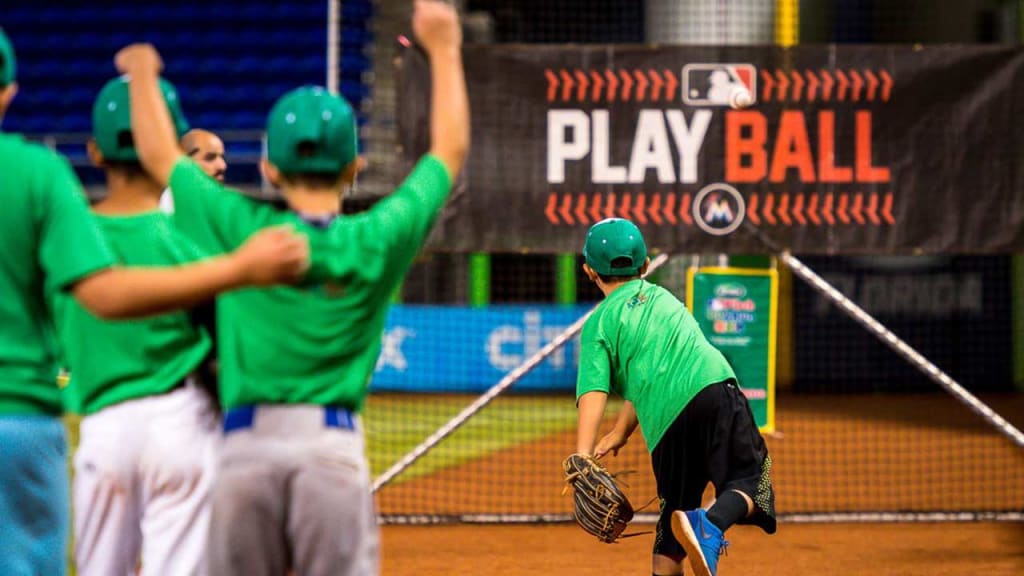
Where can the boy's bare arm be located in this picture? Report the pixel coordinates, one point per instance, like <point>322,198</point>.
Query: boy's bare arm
<point>617,438</point>
<point>591,412</point>
<point>152,129</point>
<point>273,256</point>
<point>437,29</point>
<point>627,421</point>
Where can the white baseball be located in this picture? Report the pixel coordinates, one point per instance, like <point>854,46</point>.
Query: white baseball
<point>740,98</point>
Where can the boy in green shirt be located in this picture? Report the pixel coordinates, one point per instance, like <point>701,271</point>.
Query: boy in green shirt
<point>51,245</point>
<point>293,487</point>
<point>145,415</point>
<point>643,344</point>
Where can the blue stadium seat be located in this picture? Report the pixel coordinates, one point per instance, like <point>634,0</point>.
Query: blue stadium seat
<point>204,119</point>
<point>248,120</point>
<point>76,123</point>
<point>356,11</point>
<point>355,63</point>
<point>230,59</point>
<point>243,148</point>
<point>355,38</point>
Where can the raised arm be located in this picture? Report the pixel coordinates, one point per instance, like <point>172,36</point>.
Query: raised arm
<point>399,224</point>
<point>152,129</point>
<point>437,29</point>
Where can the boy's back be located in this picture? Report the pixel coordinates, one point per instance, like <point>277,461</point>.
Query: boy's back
<point>648,345</point>
<point>112,362</point>
<point>642,343</point>
<point>316,344</point>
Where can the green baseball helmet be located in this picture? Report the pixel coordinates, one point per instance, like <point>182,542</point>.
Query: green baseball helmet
<point>112,119</point>
<point>615,247</point>
<point>310,130</point>
<point>8,65</point>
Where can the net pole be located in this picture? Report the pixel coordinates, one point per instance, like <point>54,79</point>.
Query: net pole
<point>479,279</point>
<point>787,34</point>
<point>787,22</point>
<point>565,279</point>
<point>333,44</point>
<point>1017,261</point>
<point>902,348</point>
<point>508,380</point>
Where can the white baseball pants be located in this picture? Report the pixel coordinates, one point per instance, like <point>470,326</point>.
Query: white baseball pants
<point>143,478</point>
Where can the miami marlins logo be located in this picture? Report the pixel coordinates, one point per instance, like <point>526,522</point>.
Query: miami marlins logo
<point>718,209</point>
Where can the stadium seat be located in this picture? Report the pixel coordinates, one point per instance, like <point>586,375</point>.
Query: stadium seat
<point>229,59</point>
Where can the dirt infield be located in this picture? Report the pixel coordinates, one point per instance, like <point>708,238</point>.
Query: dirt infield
<point>992,549</point>
<point>834,453</point>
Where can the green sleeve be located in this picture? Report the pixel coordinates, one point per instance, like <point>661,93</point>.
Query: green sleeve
<point>71,245</point>
<point>385,239</point>
<point>403,219</point>
<point>595,371</point>
<point>216,218</point>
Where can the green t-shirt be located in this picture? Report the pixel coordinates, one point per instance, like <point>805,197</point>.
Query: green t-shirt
<point>643,344</point>
<point>50,241</point>
<point>112,362</point>
<point>318,343</point>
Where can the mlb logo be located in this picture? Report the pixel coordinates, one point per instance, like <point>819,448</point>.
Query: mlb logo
<point>719,85</point>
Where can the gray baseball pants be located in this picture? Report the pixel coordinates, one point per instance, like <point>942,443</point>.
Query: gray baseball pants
<point>292,491</point>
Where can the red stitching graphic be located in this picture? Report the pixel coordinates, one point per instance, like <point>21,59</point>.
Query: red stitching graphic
<point>812,85</point>
<point>767,82</point>
<point>550,210</point>
<point>670,209</point>
<point>752,210</point>
<point>641,85</point>
<point>552,84</point>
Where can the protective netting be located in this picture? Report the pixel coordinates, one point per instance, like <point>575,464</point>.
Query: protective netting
<point>859,429</point>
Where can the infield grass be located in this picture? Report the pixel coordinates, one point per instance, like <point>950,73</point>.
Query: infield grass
<point>396,423</point>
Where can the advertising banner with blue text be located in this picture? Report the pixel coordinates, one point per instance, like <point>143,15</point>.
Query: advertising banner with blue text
<point>464,349</point>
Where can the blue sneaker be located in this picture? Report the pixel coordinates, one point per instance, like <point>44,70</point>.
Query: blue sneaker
<point>701,539</point>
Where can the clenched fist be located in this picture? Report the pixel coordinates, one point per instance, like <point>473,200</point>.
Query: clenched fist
<point>138,59</point>
<point>436,26</point>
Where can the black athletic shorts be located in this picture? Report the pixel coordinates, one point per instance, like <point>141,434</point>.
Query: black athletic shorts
<point>714,439</point>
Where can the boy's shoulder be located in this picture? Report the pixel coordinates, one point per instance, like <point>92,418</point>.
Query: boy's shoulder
<point>634,297</point>
<point>33,176</point>
<point>611,308</point>
<point>149,233</point>
<point>19,152</point>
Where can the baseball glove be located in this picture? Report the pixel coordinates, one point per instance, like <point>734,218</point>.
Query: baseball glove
<point>600,507</point>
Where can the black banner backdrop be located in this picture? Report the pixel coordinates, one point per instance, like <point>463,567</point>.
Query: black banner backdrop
<point>956,310</point>
<point>824,149</point>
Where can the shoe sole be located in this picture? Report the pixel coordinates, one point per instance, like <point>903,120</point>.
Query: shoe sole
<point>687,537</point>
